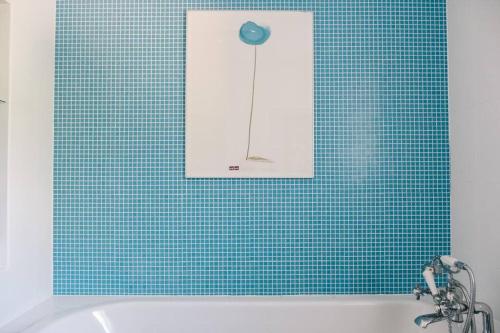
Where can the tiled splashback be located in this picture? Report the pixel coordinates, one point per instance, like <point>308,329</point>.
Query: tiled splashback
<point>126,221</point>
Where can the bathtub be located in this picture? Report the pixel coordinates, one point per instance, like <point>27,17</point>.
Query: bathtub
<point>325,314</point>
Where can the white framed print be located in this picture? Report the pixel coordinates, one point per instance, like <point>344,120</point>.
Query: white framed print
<point>249,94</point>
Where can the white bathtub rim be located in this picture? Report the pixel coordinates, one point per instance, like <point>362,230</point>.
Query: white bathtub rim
<point>59,307</point>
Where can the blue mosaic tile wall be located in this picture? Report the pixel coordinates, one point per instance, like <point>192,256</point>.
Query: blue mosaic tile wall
<point>126,221</point>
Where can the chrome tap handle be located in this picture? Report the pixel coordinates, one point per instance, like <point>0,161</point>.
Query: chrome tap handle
<point>418,291</point>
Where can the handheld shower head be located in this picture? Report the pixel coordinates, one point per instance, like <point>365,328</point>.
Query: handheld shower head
<point>428,274</point>
<point>429,271</point>
<point>440,265</point>
<point>452,264</point>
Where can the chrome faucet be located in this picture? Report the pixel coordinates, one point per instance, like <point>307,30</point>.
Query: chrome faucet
<point>453,301</point>
<point>425,320</point>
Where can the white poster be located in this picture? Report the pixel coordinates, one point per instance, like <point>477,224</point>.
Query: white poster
<point>249,94</point>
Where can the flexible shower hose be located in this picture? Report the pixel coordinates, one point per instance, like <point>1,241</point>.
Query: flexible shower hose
<point>472,299</point>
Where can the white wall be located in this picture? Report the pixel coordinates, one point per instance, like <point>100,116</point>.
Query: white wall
<point>27,279</point>
<point>4,48</point>
<point>474,85</point>
<point>4,120</point>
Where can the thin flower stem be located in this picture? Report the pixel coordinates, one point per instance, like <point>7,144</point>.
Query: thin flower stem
<point>251,107</point>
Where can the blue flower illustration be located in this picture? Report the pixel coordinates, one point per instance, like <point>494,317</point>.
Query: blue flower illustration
<point>253,34</point>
